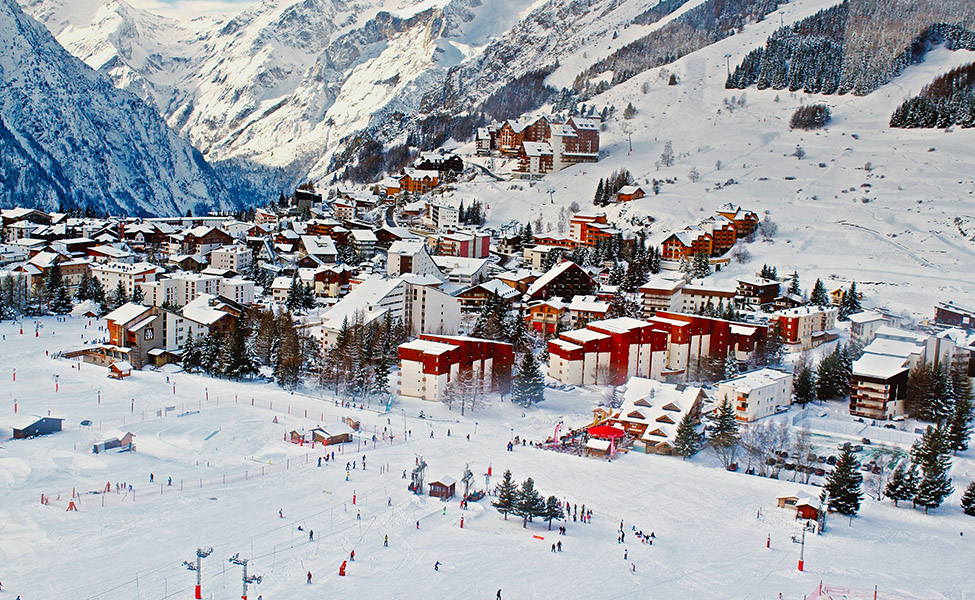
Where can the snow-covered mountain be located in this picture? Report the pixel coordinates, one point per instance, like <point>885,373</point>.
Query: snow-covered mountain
<point>284,82</point>
<point>68,136</point>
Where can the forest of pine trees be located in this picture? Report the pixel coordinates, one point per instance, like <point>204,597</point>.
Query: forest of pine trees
<point>946,101</point>
<point>855,47</point>
<point>705,24</point>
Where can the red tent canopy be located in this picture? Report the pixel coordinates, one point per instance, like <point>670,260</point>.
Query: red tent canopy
<point>606,431</point>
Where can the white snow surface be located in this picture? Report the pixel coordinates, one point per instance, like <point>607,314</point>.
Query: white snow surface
<point>710,525</point>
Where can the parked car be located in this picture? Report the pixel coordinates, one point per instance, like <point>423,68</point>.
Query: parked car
<point>820,471</point>
<point>857,448</point>
<point>790,466</point>
<point>865,441</point>
<point>877,470</point>
<point>811,458</point>
<point>831,460</point>
<point>890,426</point>
<point>845,446</point>
<point>866,468</point>
<point>822,459</point>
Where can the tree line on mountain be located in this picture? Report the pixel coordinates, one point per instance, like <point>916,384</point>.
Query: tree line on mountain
<point>705,24</point>
<point>855,47</point>
<point>946,101</point>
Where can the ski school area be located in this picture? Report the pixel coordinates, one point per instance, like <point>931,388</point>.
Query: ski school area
<point>189,465</point>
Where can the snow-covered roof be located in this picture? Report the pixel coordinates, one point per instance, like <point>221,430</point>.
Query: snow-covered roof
<point>537,148</point>
<point>549,277</point>
<point>460,266</point>
<point>126,313</point>
<point>200,311</point>
<point>867,316</point>
<point>629,189</point>
<point>619,324</point>
<point>584,335</point>
<point>363,235</point>
<point>121,365</point>
<point>407,247</point>
<point>804,311</point>
<point>498,287</point>
<point>756,379</point>
<point>888,347</point>
<point>319,245</point>
<point>588,304</point>
<point>428,347</point>
<point>879,366</point>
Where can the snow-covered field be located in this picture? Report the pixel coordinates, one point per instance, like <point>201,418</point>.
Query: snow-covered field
<point>710,525</point>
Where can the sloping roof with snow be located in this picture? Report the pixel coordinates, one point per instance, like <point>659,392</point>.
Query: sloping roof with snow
<point>126,313</point>
<point>537,148</point>
<point>550,276</point>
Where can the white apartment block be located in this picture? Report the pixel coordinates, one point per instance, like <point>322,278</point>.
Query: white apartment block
<point>181,288</point>
<point>757,394</point>
<point>110,274</point>
<point>234,258</point>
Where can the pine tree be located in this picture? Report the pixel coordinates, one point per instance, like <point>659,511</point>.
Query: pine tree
<point>794,284</point>
<point>238,360</point>
<point>843,485</point>
<point>819,297</point>
<point>920,383</point>
<point>931,453</point>
<point>138,296</point>
<point>84,287</point>
<point>191,354</point>
<point>686,440</point>
<point>773,344</point>
<point>730,367</point>
<point>850,304</point>
<point>296,291</point>
<point>553,510</point>
<point>960,425</point>
<point>702,266</point>
<point>530,503</point>
<point>118,297</point>
<point>968,500</point>
<point>898,487</point>
<point>61,301</point>
<point>804,386</point>
<point>507,495</point>
<point>380,375</point>
<point>529,386</point>
<point>724,435</point>
<point>210,354</point>
<point>598,198</point>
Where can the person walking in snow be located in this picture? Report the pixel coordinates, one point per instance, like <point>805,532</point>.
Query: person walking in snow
<point>553,548</point>
<point>499,594</point>
<point>559,545</point>
<point>386,542</point>
<point>436,566</point>
<point>625,553</point>
<point>280,513</point>
<point>352,556</point>
<point>417,524</point>
<point>309,577</point>
<point>632,568</point>
<point>311,535</point>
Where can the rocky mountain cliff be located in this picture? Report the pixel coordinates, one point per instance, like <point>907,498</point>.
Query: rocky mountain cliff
<point>68,137</point>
